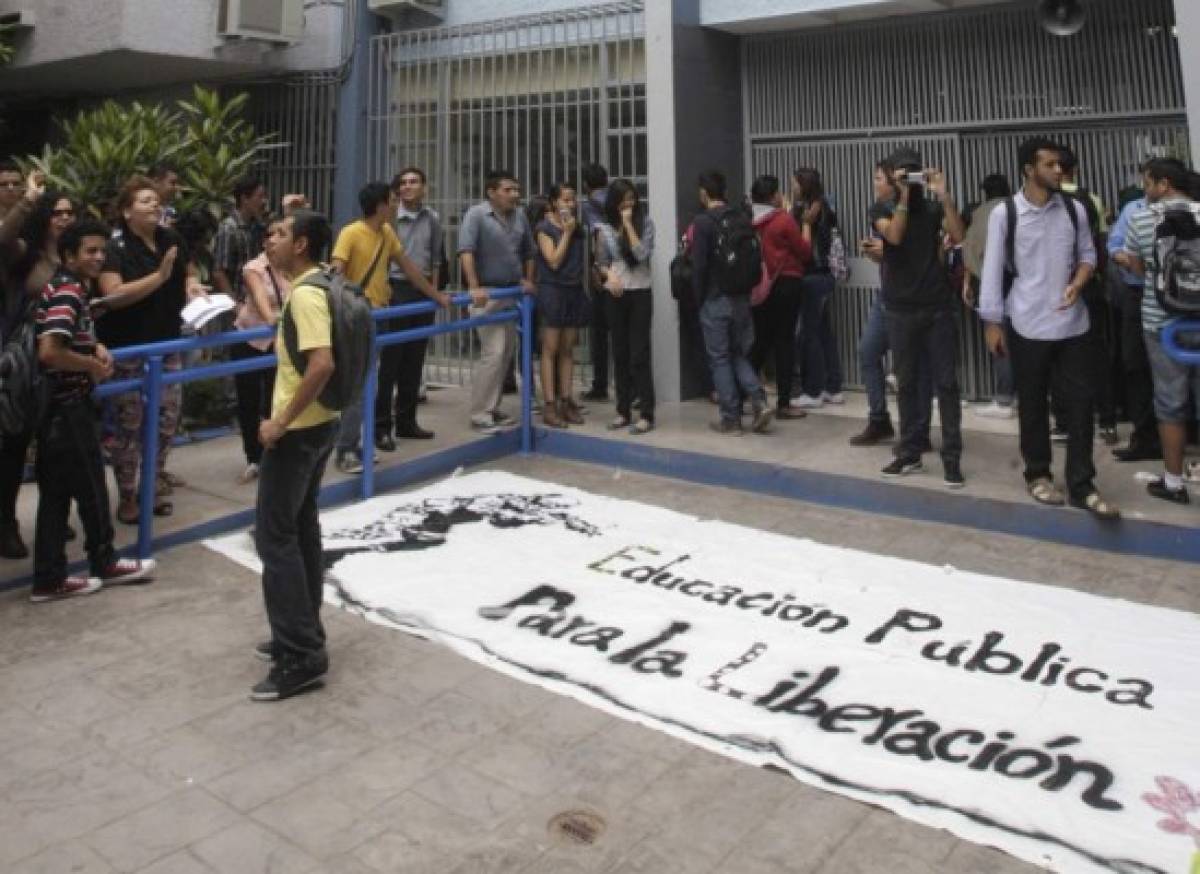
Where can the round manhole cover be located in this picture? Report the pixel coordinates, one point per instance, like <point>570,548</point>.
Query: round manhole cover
<point>580,827</point>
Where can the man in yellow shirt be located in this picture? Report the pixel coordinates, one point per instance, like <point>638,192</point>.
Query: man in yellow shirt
<point>297,441</point>
<point>362,253</point>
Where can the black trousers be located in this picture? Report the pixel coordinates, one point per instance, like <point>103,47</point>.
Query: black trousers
<point>1139,384</point>
<point>288,536</point>
<point>629,317</point>
<point>13,449</point>
<point>401,367</point>
<point>254,392</point>
<point>1066,369</point>
<point>932,333</point>
<point>598,339</point>
<point>70,467</point>
<point>775,333</point>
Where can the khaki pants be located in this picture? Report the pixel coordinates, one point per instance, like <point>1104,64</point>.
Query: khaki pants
<point>497,345</point>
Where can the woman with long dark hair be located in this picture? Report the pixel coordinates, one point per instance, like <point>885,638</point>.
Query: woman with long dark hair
<point>144,289</point>
<point>29,240</point>
<point>625,242</point>
<point>563,304</point>
<point>822,371</point>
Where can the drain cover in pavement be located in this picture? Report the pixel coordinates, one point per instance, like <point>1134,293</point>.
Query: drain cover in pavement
<point>576,827</point>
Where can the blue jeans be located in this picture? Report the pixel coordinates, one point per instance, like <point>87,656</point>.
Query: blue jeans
<point>822,370</point>
<point>871,348</point>
<point>728,335</point>
<point>349,437</point>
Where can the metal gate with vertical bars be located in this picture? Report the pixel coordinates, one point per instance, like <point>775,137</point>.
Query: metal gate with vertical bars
<point>965,88</point>
<point>540,95</point>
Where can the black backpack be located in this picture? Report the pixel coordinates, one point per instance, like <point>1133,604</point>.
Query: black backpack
<point>353,332</point>
<point>1010,237</point>
<point>738,253</point>
<point>24,389</point>
<point>1177,260</point>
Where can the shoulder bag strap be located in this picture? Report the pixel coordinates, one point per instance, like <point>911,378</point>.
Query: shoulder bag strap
<point>366,280</point>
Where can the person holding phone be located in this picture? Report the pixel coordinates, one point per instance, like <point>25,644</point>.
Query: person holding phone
<point>919,308</point>
<point>563,304</point>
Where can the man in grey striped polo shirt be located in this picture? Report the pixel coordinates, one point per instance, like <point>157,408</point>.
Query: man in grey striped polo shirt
<point>1167,181</point>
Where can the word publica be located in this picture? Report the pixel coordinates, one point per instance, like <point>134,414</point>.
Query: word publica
<point>647,657</point>
<point>1046,667</point>
<point>907,732</point>
<point>769,604</point>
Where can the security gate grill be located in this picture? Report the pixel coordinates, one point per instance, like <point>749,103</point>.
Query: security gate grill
<point>964,88</point>
<point>541,96</point>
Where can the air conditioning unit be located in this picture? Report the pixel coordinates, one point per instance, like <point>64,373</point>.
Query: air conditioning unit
<point>403,9</point>
<point>277,21</point>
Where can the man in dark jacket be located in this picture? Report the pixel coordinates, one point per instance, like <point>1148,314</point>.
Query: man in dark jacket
<point>725,319</point>
<point>919,307</point>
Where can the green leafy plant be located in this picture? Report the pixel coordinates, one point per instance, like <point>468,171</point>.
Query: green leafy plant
<point>207,136</point>
<point>7,49</point>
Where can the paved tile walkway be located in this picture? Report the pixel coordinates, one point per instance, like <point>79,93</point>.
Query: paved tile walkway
<point>128,743</point>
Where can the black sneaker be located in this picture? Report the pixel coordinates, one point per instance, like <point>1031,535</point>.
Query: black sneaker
<point>953,475</point>
<point>595,394</point>
<point>385,442</point>
<point>265,651</point>
<point>290,675</point>
<point>1159,489</point>
<point>902,467</point>
<point>1138,452</point>
<point>875,432</point>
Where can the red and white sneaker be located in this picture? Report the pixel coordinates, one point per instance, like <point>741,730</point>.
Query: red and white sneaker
<point>125,571</point>
<point>70,587</point>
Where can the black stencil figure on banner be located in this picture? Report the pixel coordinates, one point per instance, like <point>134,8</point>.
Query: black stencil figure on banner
<point>428,523</point>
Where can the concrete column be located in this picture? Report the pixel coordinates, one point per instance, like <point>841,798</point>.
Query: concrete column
<point>351,137</point>
<point>661,140</point>
<point>694,123</point>
<point>1187,24</point>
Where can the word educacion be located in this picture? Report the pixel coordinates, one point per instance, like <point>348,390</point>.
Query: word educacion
<point>1047,667</point>
<point>899,731</point>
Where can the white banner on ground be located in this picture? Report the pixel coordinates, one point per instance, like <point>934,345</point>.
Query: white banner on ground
<point>1060,727</point>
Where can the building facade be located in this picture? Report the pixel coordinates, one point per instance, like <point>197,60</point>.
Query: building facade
<point>656,90</point>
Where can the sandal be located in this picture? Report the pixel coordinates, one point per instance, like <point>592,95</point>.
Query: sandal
<point>163,507</point>
<point>569,412</point>
<point>618,423</point>
<point>1098,507</point>
<point>641,426</point>
<point>550,417</point>
<point>1044,491</point>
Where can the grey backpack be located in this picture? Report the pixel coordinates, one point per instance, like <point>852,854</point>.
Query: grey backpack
<point>353,332</point>
<point>1177,260</point>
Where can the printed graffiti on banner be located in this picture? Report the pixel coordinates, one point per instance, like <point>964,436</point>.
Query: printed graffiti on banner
<point>1035,719</point>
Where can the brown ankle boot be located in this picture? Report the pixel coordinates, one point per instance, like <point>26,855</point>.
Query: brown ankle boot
<point>550,416</point>
<point>569,410</point>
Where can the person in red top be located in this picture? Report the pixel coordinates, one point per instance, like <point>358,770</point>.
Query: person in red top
<point>787,249</point>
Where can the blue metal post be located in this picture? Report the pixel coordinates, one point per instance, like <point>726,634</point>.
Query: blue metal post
<point>151,409</point>
<point>370,389</point>
<point>526,307</point>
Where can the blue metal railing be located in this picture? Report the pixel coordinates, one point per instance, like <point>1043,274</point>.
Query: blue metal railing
<point>154,377</point>
<point>1170,340</point>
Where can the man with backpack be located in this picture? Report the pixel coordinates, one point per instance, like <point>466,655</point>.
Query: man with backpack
<point>1162,244</point>
<point>726,265</point>
<point>1038,259</point>
<point>297,441</point>
<point>919,309</point>
<point>362,253</point>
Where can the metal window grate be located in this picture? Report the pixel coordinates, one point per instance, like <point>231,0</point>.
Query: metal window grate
<point>539,95</point>
<point>965,88</point>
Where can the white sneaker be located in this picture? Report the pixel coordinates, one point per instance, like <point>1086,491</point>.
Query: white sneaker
<point>806,402</point>
<point>891,383</point>
<point>995,411</point>
<point>836,398</point>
